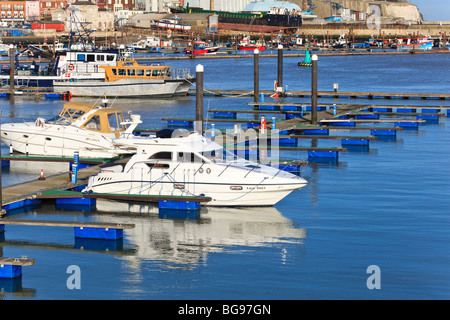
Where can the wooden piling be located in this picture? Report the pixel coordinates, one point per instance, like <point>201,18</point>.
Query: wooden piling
<point>199,98</point>
<point>314,90</point>
<point>256,75</point>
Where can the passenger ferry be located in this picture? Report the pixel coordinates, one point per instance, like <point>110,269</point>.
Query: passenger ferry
<point>75,65</point>
<point>130,79</point>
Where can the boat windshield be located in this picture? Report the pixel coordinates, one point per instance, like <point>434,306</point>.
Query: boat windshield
<point>219,155</point>
<point>66,116</point>
<point>58,120</point>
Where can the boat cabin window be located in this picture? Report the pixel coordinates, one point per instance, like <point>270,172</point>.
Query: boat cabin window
<point>100,57</point>
<point>131,72</point>
<point>122,72</point>
<point>110,57</point>
<point>148,73</point>
<point>219,155</point>
<point>156,73</point>
<point>90,57</point>
<point>140,72</point>
<point>188,157</point>
<point>114,72</point>
<point>162,156</point>
<point>93,123</point>
<point>112,119</point>
<point>157,165</point>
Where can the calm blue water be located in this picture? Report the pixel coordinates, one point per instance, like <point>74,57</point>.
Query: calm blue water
<point>388,206</point>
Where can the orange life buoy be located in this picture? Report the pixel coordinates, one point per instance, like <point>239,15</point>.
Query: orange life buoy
<point>71,67</point>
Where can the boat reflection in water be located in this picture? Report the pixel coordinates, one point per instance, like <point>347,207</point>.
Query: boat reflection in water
<point>189,241</point>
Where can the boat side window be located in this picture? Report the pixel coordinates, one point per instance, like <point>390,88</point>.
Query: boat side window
<point>119,120</point>
<point>122,72</point>
<point>131,72</point>
<point>188,157</point>
<point>114,71</point>
<point>110,57</point>
<point>164,155</point>
<point>90,57</point>
<point>81,57</point>
<point>112,119</point>
<point>157,165</point>
<point>148,73</point>
<point>140,72</point>
<point>93,123</point>
<point>156,73</point>
<point>100,57</point>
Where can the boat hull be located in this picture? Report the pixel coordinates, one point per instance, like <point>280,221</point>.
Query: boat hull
<point>58,141</point>
<point>126,88</point>
<point>260,48</point>
<point>235,189</point>
<point>203,51</point>
<point>427,46</point>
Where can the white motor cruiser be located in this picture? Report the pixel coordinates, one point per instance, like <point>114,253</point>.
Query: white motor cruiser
<point>193,165</point>
<point>89,129</point>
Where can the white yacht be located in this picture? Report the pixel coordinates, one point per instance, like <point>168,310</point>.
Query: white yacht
<point>89,129</point>
<point>193,165</point>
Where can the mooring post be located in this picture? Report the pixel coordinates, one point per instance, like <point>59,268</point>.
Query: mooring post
<point>199,99</point>
<point>12,68</point>
<point>256,76</point>
<point>280,67</point>
<point>1,188</point>
<point>314,89</point>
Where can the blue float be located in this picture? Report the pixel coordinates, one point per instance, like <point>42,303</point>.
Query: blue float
<point>367,116</point>
<point>316,132</point>
<point>225,115</point>
<point>98,233</point>
<point>178,205</point>
<point>427,117</point>
<point>10,271</point>
<point>355,142</point>
<point>383,132</point>
<point>322,154</point>
<point>343,124</point>
<point>181,123</point>
<point>407,124</point>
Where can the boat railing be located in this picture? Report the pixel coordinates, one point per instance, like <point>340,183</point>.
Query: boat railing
<point>181,73</point>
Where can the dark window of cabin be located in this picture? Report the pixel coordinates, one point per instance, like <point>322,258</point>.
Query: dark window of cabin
<point>162,156</point>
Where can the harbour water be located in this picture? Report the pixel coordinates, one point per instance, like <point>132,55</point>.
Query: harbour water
<point>387,206</point>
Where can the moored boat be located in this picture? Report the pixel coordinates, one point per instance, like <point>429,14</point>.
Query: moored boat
<point>74,65</point>
<point>194,165</point>
<point>173,24</point>
<point>247,44</point>
<point>201,47</point>
<point>418,43</point>
<point>130,79</point>
<point>88,129</point>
